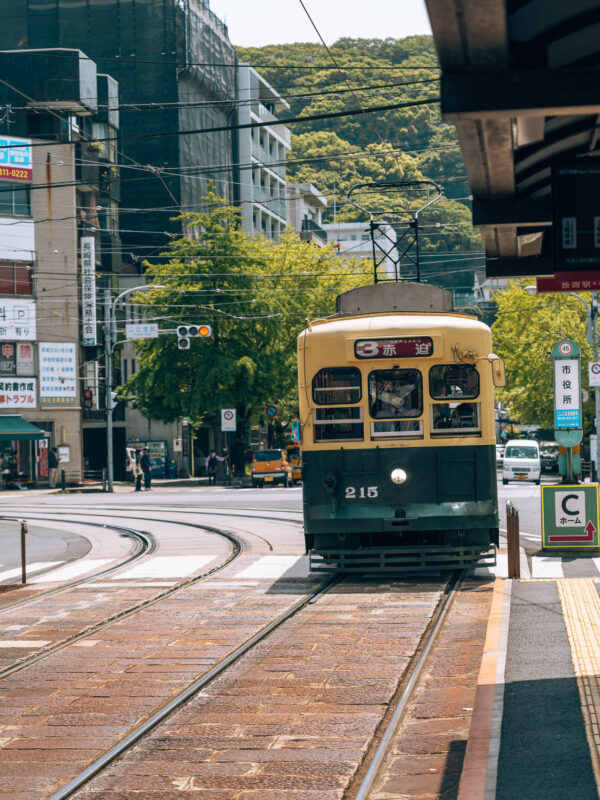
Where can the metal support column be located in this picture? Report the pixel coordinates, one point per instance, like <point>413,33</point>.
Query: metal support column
<point>108,326</point>
<point>594,321</point>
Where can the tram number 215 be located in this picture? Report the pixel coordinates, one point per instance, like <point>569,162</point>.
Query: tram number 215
<point>363,492</point>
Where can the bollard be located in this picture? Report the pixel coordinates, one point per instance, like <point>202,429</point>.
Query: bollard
<point>23,553</point>
<point>103,479</point>
<point>63,481</point>
<point>512,536</point>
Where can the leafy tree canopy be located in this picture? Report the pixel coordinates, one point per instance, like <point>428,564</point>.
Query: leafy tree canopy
<point>256,295</point>
<point>524,334</point>
<point>405,144</point>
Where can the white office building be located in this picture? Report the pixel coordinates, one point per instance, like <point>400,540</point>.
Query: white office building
<point>262,154</point>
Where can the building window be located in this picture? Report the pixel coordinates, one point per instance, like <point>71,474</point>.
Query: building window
<point>15,200</point>
<point>15,278</point>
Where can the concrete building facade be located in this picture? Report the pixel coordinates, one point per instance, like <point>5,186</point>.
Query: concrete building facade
<point>262,152</point>
<point>305,206</point>
<point>50,194</point>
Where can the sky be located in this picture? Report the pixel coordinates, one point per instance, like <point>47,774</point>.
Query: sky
<point>254,23</point>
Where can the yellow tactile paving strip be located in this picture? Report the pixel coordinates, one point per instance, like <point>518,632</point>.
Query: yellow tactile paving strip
<point>581,612</point>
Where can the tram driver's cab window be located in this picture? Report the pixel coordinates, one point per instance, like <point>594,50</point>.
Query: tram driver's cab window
<point>395,400</point>
<point>334,389</point>
<point>454,386</point>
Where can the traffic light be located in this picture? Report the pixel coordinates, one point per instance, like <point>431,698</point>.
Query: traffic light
<point>113,399</point>
<point>187,332</point>
<point>88,399</point>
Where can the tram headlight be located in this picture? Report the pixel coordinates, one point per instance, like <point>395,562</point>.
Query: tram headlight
<point>398,475</point>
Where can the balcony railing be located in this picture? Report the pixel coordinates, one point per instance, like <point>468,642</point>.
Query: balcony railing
<point>308,226</point>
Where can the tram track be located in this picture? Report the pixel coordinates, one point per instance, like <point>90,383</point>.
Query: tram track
<point>177,727</point>
<point>370,770</point>
<point>119,749</point>
<point>238,547</point>
<point>147,542</point>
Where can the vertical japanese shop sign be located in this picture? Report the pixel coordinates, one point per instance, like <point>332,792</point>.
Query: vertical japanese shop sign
<point>8,358</point>
<point>58,374</point>
<point>88,290</point>
<point>25,365</point>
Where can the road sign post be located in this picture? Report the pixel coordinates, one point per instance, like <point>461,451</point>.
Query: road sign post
<point>570,516</point>
<point>568,413</point>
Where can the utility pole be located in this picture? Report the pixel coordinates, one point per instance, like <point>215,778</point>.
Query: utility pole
<point>108,329</point>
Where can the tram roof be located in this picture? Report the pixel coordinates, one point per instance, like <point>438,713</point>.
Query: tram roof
<point>396,324</point>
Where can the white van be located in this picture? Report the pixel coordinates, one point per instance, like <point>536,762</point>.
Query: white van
<point>521,461</point>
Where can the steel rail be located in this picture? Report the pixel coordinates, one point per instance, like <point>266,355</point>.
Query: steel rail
<point>27,661</point>
<point>191,512</point>
<point>400,709</point>
<point>117,750</point>
<point>146,540</point>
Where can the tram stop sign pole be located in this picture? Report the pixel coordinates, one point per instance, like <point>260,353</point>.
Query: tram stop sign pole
<point>568,416</point>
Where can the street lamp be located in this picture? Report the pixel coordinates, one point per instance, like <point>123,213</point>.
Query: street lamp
<point>592,316</point>
<point>110,328</point>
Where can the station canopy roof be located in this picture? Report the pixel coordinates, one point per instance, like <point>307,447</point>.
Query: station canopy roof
<point>14,428</point>
<point>521,82</point>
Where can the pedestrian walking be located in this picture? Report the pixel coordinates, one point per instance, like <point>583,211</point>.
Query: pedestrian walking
<point>146,465</point>
<point>211,467</point>
<point>137,471</point>
<point>53,467</point>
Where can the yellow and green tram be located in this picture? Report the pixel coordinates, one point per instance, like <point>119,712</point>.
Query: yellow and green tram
<point>398,441</point>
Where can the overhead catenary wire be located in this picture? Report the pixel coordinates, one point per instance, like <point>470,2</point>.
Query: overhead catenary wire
<point>247,125</point>
<point>178,104</point>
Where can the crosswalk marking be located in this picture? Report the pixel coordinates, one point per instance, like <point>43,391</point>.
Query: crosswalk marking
<point>73,570</point>
<point>546,567</point>
<point>37,566</point>
<point>166,567</point>
<point>23,643</point>
<point>500,570</point>
<point>274,567</point>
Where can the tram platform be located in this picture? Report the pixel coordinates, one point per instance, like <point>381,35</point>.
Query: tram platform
<point>535,729</point>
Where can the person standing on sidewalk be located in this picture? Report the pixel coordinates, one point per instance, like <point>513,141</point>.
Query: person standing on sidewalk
<point>53,467</point>
<point>146,465</point>
<point>137,471</point>
<point>211,467</point>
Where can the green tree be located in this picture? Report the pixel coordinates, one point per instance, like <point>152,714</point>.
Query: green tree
<point>526,329</point>
<point>256,295</point>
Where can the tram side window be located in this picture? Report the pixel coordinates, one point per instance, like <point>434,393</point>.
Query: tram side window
<point>336,386</point>
<point>454,384</point>
<point>449,381</point>
<point>337,423</point>
<point>395,393</point>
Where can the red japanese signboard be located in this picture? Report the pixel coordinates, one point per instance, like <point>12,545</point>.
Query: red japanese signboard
<point>586,281</point>
<point>402,347</point>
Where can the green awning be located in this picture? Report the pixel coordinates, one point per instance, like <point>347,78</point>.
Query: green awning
<point>14,428</point>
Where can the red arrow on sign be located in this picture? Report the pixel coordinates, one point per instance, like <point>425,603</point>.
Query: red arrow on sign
<point>589,529</point>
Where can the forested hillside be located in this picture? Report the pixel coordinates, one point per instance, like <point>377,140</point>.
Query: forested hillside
<point>399,144</point>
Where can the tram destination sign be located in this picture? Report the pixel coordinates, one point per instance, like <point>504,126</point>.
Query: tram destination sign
<point>402,347</point>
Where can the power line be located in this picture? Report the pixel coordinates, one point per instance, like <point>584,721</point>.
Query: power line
<point>248,125</point>
<point>235,64</point>
<point>178,105</point>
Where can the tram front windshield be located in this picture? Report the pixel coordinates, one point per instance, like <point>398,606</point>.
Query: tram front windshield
<point>395,393</point>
